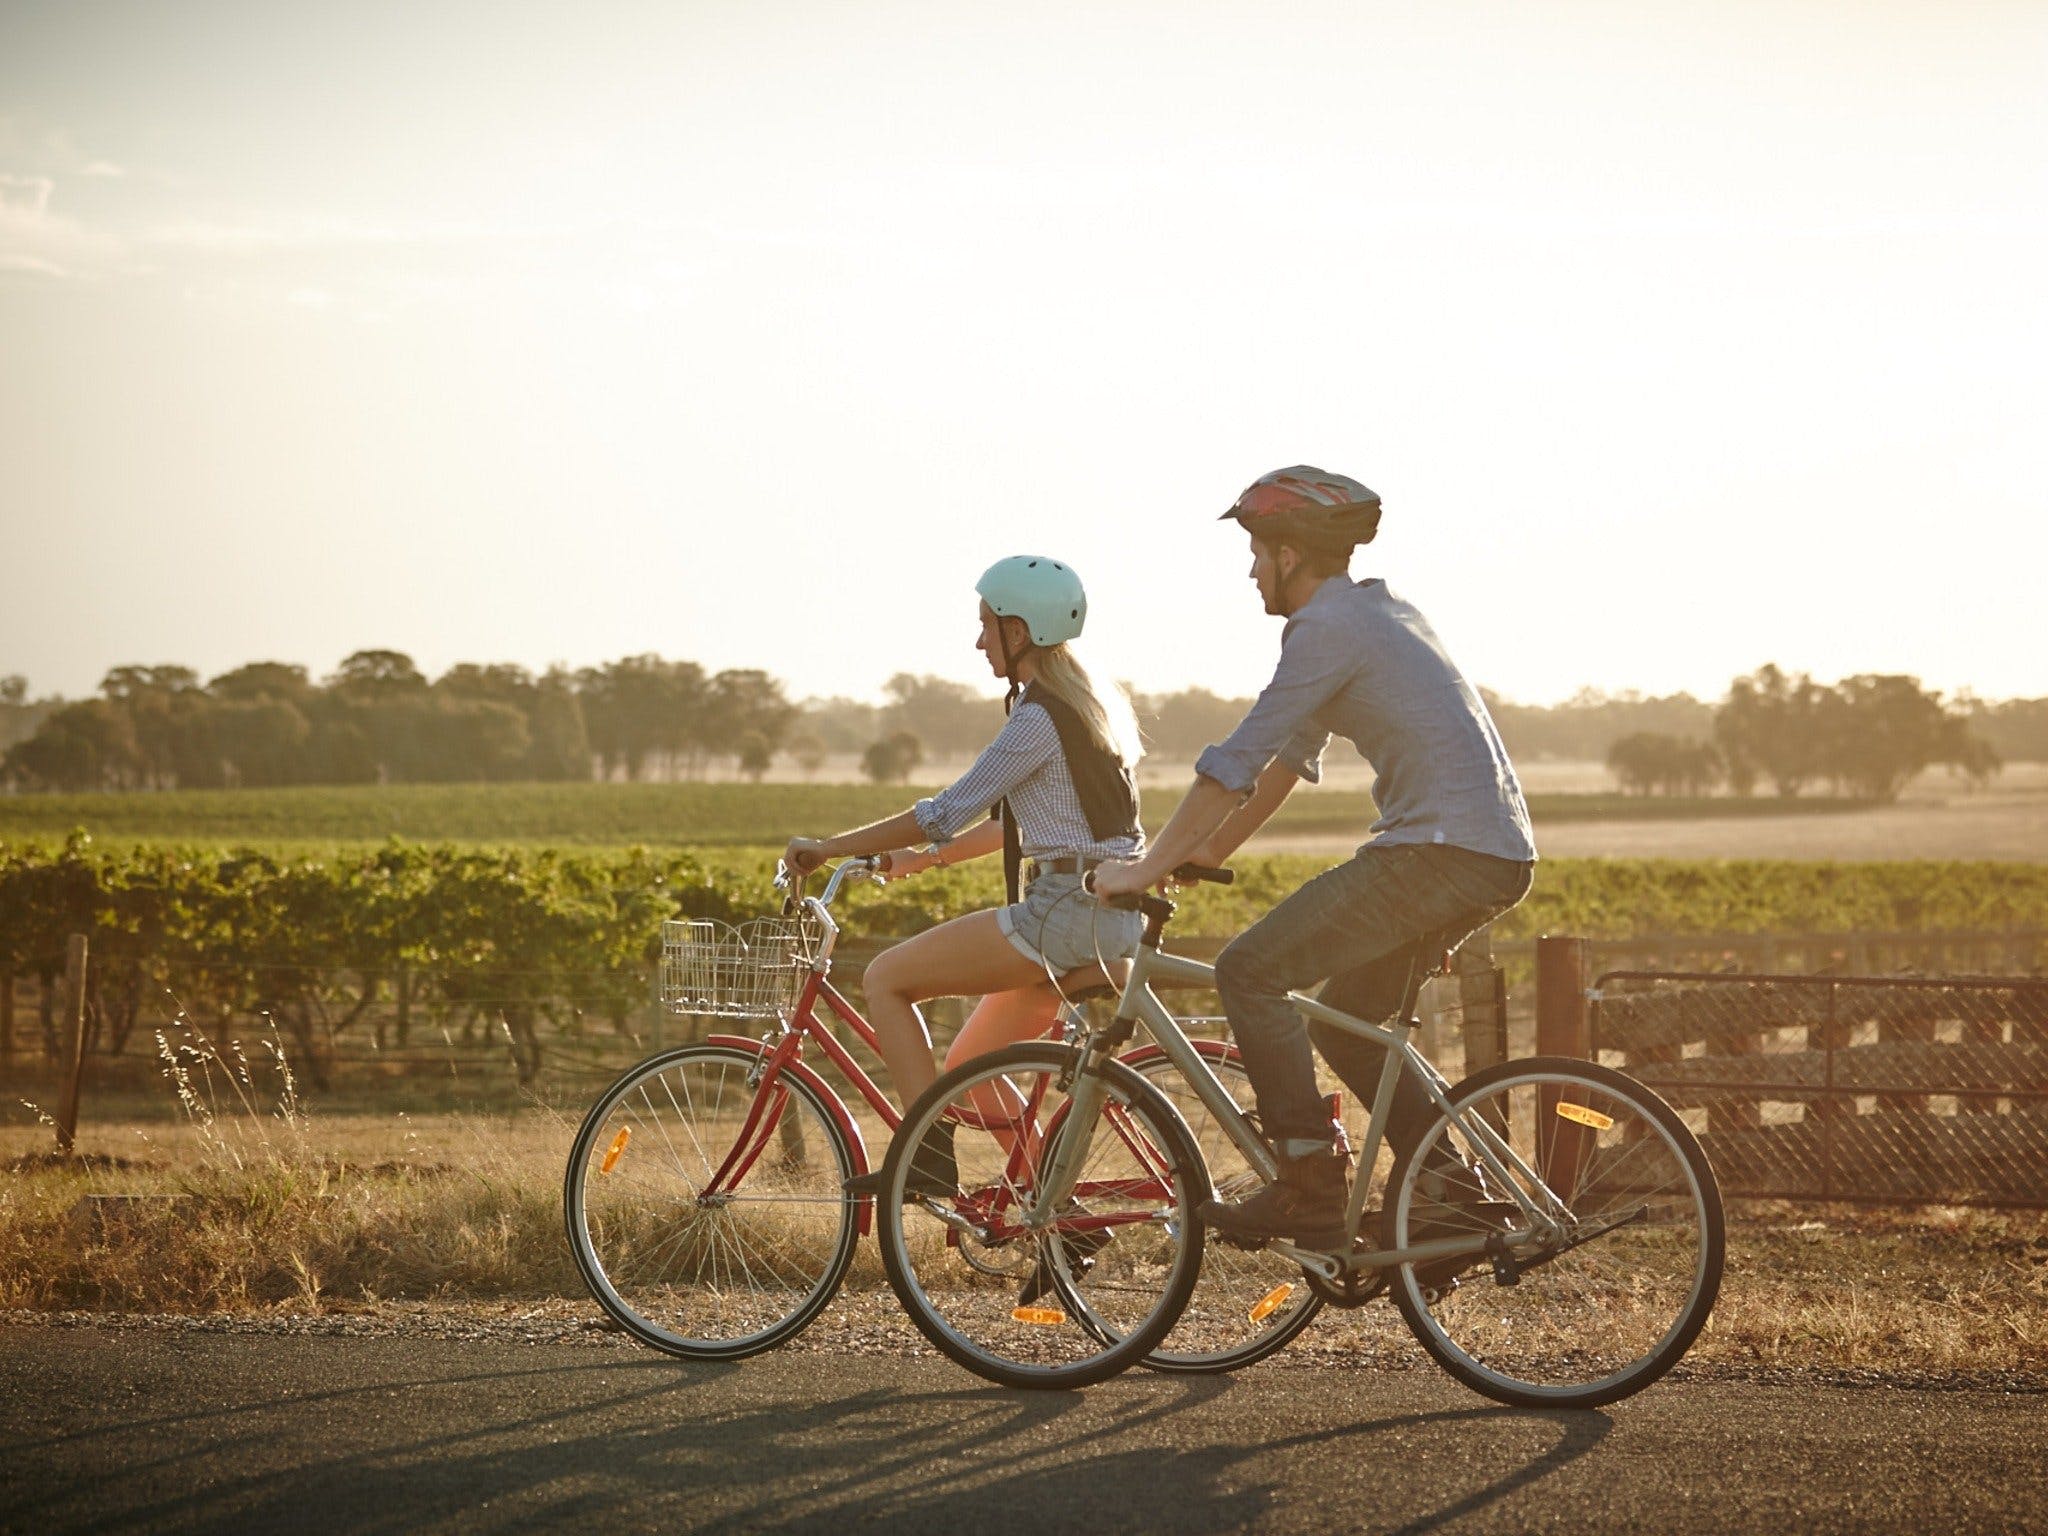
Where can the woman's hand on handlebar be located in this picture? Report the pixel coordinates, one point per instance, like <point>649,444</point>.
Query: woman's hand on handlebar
<point>803,855</point>
<point>910,861</point>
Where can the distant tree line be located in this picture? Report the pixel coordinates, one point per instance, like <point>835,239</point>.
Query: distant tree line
<point>377,718</point>
<point>2015,729</point>
<point>1865,736</point>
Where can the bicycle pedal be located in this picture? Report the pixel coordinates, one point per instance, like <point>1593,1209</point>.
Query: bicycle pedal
<point>1246,1244</point>
<point>1505,1270</point>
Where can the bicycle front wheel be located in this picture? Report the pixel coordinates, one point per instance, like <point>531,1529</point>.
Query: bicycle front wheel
<point>705,1210</point>
<point>1092,1288</point>
<point>1610,1301</point>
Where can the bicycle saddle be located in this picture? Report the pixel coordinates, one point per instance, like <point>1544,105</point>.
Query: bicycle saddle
<point>1434,952</point>
<point>1093,981</point>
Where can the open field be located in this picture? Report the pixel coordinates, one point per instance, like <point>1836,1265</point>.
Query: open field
<point>1937,818</point>
<point>697,815</point>
<point>1575,814</point>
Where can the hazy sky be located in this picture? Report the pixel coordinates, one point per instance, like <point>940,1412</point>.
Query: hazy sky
<point>1676,338</point>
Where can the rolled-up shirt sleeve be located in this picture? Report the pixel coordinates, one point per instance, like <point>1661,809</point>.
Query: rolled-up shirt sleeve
<point>1303,753</point>
<point>1026,743</point>
<point>1314,664</point>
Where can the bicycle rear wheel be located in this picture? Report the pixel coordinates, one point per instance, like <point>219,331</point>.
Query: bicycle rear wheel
<point>1247,1304</point>
<point>704,1211</point>
<point>1605,1308</point>
<point>1094,1289</point>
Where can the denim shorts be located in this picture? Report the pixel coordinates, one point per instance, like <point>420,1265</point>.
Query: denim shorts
<point>1058,924</point>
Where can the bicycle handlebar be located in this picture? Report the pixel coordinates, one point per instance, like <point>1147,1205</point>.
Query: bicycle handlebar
<point>862,867</point>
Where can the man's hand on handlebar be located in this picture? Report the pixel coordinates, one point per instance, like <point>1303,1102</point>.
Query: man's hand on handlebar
<point>1117,878</point>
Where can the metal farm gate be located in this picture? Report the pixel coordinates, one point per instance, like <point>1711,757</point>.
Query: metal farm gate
<point>1858,1088</point>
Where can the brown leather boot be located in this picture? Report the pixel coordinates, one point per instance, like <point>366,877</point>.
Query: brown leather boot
<point>1305,1205</point>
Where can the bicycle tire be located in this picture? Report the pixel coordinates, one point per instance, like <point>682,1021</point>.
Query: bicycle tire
<point>1099,1312</point>
<point>1614,1307</point>
<point>1217,1330</point>
<point>725,1277</point>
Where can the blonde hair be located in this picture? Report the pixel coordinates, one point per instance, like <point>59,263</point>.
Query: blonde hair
<point>1104,708</point>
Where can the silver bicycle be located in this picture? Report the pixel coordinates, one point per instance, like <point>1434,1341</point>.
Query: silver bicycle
<point>1555,1238</point>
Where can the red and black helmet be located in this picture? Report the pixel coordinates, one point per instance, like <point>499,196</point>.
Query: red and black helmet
<point>1310,507</point>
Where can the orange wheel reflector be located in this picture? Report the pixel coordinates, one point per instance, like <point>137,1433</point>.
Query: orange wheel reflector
<point>1585,1116</point>
<point>1044,1317</point>
<point>611,1156</point>
<point>1272,1301</point>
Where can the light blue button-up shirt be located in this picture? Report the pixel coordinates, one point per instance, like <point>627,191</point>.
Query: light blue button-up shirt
<point>1358,662</point>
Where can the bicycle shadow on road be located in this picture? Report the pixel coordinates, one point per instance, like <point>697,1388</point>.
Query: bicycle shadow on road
<point>204,1455</point>
<point>618,1441</point>
<point>1231,1478</point>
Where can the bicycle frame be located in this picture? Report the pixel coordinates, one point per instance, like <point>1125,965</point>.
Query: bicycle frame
<point>1548,1217</point>
<point>781,1052</point>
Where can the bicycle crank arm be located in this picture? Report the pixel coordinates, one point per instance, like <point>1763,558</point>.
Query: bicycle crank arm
<point>1328,1265</point>
<point>955,1220</point>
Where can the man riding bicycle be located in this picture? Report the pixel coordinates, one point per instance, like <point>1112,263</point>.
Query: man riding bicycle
<point>1451,850</point>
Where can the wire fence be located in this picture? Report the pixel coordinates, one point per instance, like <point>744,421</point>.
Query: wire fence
<point>1882,1090</point>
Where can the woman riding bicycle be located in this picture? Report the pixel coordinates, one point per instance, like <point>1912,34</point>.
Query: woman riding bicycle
<point>1058,780</point>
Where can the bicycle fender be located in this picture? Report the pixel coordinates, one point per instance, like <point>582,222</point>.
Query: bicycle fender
<point>865,1216</point>
<point>1142,1056</point>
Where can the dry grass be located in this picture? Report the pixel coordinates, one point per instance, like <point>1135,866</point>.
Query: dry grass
<point>245,1202</point>
<point>1936,1290</point>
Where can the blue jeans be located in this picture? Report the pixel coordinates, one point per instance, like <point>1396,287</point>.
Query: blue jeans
<point>1352,926</point>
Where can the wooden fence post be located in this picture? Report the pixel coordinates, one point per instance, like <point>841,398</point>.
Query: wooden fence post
<point>1564,1027</point>
<point>1563,1022</point>
<point>1482,1000</point>
<point>74,1021</point>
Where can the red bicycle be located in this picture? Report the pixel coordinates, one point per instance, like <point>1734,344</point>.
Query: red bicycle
<point>704,1195</point>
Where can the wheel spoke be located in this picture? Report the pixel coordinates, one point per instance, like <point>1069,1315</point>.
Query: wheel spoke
<point>1595,1320</point>
<point>1218,1331</point>
<point>746,1268</point>
<point>1088,1294</point>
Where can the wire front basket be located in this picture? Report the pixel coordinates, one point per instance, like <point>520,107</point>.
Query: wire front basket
<point>754,971</point>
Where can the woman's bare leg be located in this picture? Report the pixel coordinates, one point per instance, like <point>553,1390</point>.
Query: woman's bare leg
<point>966,957</point>
<point>1004,1018</point>
<point>1000,1019</point>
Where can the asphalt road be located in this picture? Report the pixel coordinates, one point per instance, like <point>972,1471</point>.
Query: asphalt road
<point>122,1429</point>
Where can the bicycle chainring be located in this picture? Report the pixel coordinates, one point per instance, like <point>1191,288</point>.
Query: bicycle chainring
<point>1358,1286</point>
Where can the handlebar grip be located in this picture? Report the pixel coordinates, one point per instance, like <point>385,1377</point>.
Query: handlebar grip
<point>1157,908</point>
<point>1192,872</point>
<point>1114,903</point>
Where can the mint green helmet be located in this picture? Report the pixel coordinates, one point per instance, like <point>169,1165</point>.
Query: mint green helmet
<point>1045,594</point>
